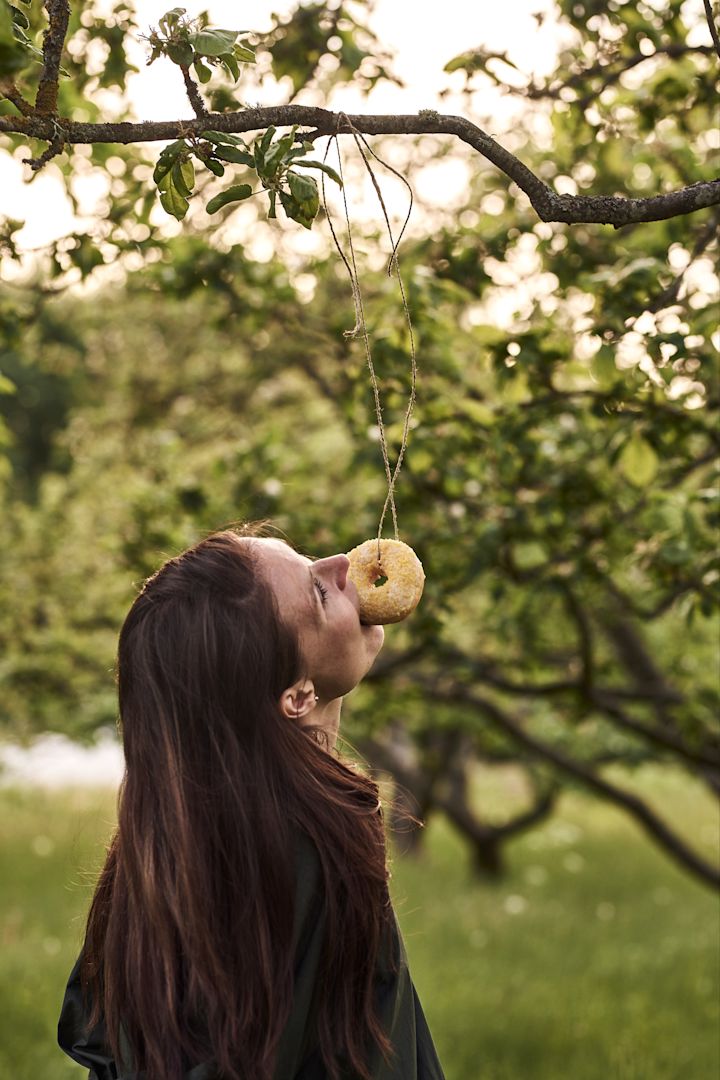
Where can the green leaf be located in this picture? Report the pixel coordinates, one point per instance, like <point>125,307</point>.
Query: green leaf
<point>459,63</point>
<point>19,18</point>
<point>175,203</point>
<point>167,158</point>
<point>278,152</point>
<point>170,19</point>
<point>478,412</point>
<point>308,164</point>
<point>180,53</point>
<point>214,166</point>
<point>7,386</point>
<point>244,54</point>
<point>236,155</point>
<point>295,210</point>
<point>222,138</point>
<point>203,73</point>
<point>231,64</point>
<point>603,366</point>
<point>529,554</point>
<point>305,190</point>
<point>183,177</point>
<point>236,193</point>
<point>266,138</point>
<point>13,56</point>
<point>638,461</point>
<point>213,42</point>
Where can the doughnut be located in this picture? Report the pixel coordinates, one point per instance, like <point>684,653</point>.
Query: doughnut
<point>400,594</point>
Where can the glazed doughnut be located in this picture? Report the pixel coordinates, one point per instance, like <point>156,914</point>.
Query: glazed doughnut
<point>400,594</point>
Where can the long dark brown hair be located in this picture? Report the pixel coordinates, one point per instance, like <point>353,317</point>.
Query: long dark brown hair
<point>188,952</point>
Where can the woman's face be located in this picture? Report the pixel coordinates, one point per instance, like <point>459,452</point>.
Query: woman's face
<point>320,602</point>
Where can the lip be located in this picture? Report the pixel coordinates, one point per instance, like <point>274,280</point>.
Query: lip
<point>352,588</point>
<point>356,602</point>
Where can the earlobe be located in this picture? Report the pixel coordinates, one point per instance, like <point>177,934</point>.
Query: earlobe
<point>298,700</point>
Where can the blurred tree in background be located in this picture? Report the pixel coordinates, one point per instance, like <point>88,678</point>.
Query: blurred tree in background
<point>560,484</point>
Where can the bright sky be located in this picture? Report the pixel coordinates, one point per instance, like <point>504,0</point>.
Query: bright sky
<point>422,37</point>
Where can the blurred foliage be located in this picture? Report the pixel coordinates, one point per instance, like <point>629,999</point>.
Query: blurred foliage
<point>560,484</point>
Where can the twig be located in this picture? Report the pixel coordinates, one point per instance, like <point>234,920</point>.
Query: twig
<point>53,41</point>
<point>711,24</point>
<point>56,146</point>
<point>585,638</point>
<point>193,93</point>
<point>549,206</point>
<point>10,91</point>
<point>673,51</point>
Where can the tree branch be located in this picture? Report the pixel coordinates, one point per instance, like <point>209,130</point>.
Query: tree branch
<point>549,206</point>
<point>669,295</point>
<point>10,91</point>
<point>53,41</point>
<point>635,807</point>
<point>585,639</point>
<point>611,73</point>
<point>655,735</point>
<point>605,700</point>
<point>712,26</point>
<point>193,93</point>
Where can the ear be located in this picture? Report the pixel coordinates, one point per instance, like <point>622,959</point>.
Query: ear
<point>298,700</point>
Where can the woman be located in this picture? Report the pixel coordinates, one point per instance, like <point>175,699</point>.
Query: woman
<point>242,926</point>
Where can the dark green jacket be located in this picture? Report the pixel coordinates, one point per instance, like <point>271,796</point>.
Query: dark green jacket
<point>298,1058</point>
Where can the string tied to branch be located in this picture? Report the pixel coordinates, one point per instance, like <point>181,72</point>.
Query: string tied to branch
<point>360,328</point>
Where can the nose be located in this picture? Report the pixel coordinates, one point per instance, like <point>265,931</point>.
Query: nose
<point>336,567</point>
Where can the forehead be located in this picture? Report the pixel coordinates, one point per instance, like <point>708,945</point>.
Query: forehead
<point>277,555</point>
<point>287,573</point>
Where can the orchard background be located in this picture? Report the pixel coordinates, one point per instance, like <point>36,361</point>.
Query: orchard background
<point>174,359</point>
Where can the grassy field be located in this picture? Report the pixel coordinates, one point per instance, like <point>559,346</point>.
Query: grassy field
<point>595,958</point>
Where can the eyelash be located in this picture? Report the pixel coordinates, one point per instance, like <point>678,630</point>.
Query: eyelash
<point>322,590</point>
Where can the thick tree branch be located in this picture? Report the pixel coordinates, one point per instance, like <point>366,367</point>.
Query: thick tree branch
<point>704,757</point>
<point>549,206</point>
<point>53,41</point>
<point>635,807</point>
<point>607,701</point>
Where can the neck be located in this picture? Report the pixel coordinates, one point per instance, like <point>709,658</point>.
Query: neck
<point>326,714</point>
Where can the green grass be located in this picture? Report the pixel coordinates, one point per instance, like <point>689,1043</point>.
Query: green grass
<point>596,957</point>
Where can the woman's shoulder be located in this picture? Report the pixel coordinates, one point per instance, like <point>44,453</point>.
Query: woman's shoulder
<point>309,888</point>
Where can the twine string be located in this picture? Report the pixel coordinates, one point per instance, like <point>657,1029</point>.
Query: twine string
<point>394,265</point>
<point>360,327</point>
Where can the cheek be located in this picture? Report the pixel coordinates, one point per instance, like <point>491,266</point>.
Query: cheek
<point>374,637</point>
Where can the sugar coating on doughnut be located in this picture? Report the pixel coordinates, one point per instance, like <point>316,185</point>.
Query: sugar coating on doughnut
<point>396,598</point>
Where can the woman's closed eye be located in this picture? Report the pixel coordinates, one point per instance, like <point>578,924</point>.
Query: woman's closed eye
<point>322,590</point>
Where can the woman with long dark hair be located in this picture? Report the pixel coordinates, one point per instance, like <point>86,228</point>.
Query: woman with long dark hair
<point>242,928</point>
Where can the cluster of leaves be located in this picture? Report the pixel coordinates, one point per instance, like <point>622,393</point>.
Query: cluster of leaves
<point>192,43</point>
<point>327,29</point>
<point>16,46</point>
<point>274,160</point>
